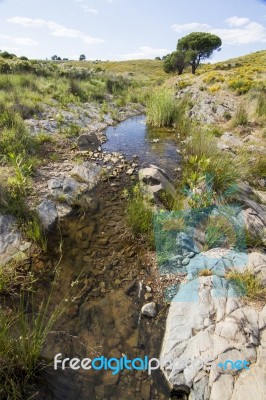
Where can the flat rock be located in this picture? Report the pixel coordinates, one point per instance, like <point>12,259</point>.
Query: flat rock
<point>87,172</point>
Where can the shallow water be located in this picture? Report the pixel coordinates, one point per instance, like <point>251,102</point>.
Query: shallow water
<point>153,146</point>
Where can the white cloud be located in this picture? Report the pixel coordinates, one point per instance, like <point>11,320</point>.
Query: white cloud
<point>25,41</point>
<point>192,26</point>
<point>55,28</point>
<point>89,9</point>
<point>144,52</point>
<point>236,21</point>
<point>91,40</point>
<point>240,31</point>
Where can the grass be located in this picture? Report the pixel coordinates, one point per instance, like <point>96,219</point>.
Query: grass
<point>219,232</point>
<point>205,272</point>
<point>22,337</point>
<point>222,169</point>
<point>140,216</point>
<point>161,108</point>
<point>247,284</point>
<point>241,116</point>
<point>261,103</point>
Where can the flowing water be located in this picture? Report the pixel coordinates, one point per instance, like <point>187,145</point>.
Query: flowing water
<point>108,267</point>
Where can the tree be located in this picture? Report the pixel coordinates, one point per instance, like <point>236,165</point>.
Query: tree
<point>198,46</point>
<point>158,58</point>
<point>54,58</point>
<point>82,57</point>
<point>175,61</point>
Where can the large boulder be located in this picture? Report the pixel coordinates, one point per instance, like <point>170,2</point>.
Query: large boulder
<point>208,324</point>
<point>88,141</point>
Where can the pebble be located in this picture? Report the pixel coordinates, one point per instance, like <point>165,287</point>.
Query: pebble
<point>186,261</point>
<point>149,310</point>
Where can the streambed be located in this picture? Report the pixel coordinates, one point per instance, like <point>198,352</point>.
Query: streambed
<point>106,268</point>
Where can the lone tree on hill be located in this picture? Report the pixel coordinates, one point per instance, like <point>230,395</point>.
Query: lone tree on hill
<point>82,57</point>
<point>198,46</point>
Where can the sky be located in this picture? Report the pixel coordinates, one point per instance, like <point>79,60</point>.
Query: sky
<point>127,29</point>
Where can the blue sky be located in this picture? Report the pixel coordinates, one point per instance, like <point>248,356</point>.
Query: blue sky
<point>127,29</point>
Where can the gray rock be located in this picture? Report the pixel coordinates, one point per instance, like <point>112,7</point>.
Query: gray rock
<point>257,264</point>
<point>222,388</point>
<point>149,310</point>
<point>255,223</point>
<point>207,322</point>
<point>186,243</point>
<point>11,243</point>
<point>154,180</point>
<point>231,140</point>
<point>47,213</point>
<point>87,172</point>
<point>88,141</point>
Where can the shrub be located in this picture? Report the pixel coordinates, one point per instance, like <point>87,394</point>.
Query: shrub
<point>214,88</point>
<point>240,85</point>
<point>213,77</point>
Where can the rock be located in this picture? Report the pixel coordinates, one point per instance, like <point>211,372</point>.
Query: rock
<point>207,323</point>
<point>10,240</point>
<point>64,210</point>
<point>149,310</point>
<point>89,141</point>
<point>254,223</point>
<point>231,140</point>
<point>130,171</point>
<point>47,213</point>
<point>222,146</point>
<point>186,243</point>
<point>87,172</point>
<point>257,265</point>
<point>222,389</point>
<point>251,384</point>
<point>154,180</point>
<point>186,261</point>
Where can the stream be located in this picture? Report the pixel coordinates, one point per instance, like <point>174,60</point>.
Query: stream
<point>100,276</point>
